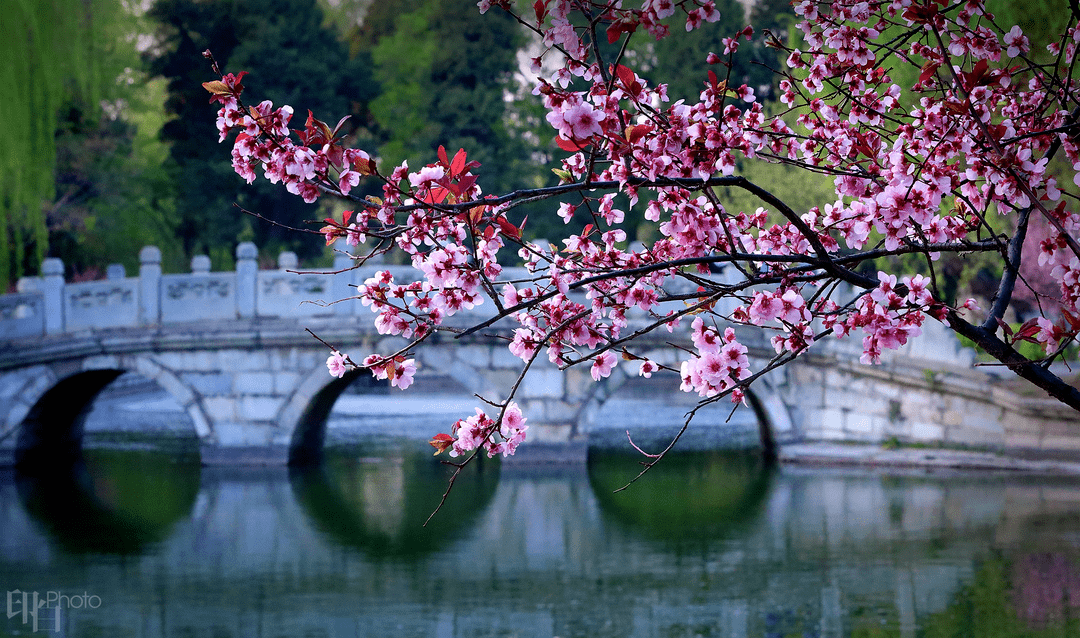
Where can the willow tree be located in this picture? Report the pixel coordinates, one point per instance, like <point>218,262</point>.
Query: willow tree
<point>51,49</point>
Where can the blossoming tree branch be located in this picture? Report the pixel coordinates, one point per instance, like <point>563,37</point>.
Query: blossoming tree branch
<point>919,169</point>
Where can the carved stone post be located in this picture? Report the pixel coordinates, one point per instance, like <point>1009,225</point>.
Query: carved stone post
<point>247,271</point>
<point>52,286</point>
<point>287,261</point>
<point>115,272</point>
<point>200,265</point>
<point>150,285</point>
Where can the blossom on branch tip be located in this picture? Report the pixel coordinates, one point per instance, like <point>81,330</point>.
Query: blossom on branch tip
<point>336,364</point>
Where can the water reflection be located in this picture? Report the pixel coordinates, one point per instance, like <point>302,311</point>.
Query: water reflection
<point>702,496</point>
<point>376,498</point>
<point>111,501</point>
<point>706,544</point>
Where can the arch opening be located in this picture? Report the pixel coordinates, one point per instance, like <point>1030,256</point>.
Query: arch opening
<point>309,437</point>
<point>52,432</point>
<point>653,411</point>
<point>358,409</point>
<point>103,409</point>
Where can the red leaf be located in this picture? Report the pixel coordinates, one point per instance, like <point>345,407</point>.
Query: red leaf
<point>928,71</point>
<point>442,156</point>
<point>1006,328</point>
<point>441,442</point>
<point>366,167</point>
<point>636,132</point>
<point>458,165</point>
<point>465,183</point>
<point>507,228</point>
<point>980,69</point>
<point>626,24</point>
<point>436,196</point>
<point>540,8</point>
<point>345,217</point>
<point>571,145</point>
<point>974,76</point>
<point>921,14</point>
<point>1073,320</point>
<point>335,154</point>
<point>1029,328</point>
<point>614,32</point>
<point>340,123</point>
<point>217,87</point>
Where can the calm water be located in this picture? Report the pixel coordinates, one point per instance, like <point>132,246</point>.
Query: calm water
<point>709,544</point>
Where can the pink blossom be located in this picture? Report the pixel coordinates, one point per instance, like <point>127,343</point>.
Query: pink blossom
<point>912,170</point>
<point>337,365</point>
<point>426,176</point>
<point>578,121</point>
<point>403,374</point>
<point>1016,41</point>
<point>602,365</point>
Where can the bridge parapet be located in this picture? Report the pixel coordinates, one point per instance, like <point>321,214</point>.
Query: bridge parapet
<point>48,305</point>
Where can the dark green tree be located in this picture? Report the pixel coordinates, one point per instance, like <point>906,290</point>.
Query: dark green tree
<point>112,193</point>
<point>445,71</point>
<point>293,59</point>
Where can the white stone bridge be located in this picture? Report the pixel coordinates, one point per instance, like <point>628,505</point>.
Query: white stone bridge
<point>231,348</point>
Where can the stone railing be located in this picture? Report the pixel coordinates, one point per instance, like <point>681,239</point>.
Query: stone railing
<point>48,305</point>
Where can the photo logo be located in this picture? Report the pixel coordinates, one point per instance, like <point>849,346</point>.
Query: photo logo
<point>36,610</point>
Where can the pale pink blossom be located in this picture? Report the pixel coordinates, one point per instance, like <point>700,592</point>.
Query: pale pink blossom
<point>337,365</point>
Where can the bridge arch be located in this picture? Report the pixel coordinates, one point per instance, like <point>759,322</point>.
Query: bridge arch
<point>456,369</point>
<point>44,423</point>
<point>774,423</point>
<point>308,409</point>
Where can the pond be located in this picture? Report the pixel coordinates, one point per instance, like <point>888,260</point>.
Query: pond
<point>148,543</point>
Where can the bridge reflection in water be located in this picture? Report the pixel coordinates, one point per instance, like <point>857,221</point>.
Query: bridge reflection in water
<point>708,544</point>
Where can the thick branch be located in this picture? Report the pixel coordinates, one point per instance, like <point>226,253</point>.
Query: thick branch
<point>1008,278</point>
<point>1023,367</point>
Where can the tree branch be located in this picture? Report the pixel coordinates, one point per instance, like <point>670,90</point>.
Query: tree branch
<point>1022,366</point>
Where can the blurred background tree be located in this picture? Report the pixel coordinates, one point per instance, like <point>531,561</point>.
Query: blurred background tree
<point>293,59</point>
<point>446,73</point>
<point>69,90</point>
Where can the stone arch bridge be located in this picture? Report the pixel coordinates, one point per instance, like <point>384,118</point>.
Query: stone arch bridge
<point>231,348</point>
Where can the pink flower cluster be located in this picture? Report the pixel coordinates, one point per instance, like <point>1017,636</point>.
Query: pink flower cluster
<point>918,170</point>
<point>719,365</point>
<point>495,437</point>
<point>397,369</point>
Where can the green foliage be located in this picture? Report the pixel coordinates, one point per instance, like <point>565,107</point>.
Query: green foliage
<point>444,71</point>
<point>51,50</point>
<point>293,59</point>
<point>679,60</point>
<point>403,61</point>
<point>112,194</point>
<point>1041,20</point>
